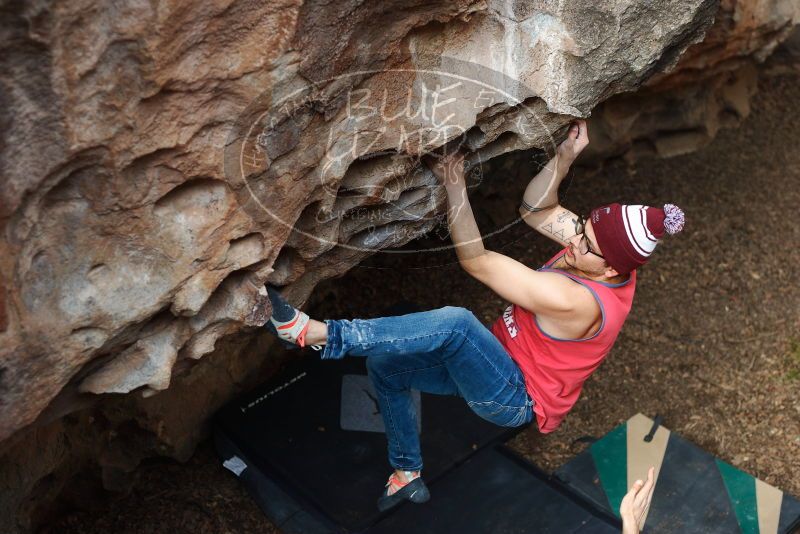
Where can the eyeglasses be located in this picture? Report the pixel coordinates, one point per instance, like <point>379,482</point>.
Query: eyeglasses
<point>583,245</point>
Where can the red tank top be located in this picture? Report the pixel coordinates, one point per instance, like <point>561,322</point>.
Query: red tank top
<point>555,369</point>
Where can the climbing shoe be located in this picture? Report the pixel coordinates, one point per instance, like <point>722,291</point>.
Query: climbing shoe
<point>415,491</point>
<point>287,322</point>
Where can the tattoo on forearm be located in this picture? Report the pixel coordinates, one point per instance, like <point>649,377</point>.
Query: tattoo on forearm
<point>561,228</point>
<point>534,209</point>
<point>555,232</point>
<point>564,215</point>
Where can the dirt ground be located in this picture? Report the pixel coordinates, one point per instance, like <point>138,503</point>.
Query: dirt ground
<point>712,343</point>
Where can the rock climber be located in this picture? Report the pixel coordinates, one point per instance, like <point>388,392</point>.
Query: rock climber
<point>561,321</point>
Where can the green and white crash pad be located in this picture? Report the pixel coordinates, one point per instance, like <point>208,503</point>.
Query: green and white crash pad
<point>695,491</point>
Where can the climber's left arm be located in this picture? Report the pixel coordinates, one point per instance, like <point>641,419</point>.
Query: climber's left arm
<point>540,208</point>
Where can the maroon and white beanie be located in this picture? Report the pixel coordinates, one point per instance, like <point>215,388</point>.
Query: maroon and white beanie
<point>628,234</point>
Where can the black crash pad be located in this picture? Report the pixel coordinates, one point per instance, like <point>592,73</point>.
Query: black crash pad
<point>315,464</point>
<point>495,492</point>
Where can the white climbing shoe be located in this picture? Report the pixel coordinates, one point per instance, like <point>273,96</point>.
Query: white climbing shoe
<point>293,330</point>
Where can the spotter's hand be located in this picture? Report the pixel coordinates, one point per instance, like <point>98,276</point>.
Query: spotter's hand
<point>577,139</point>
<point>635,504</point>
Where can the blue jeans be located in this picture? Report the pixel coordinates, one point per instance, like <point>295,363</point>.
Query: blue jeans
<point>446,351</point>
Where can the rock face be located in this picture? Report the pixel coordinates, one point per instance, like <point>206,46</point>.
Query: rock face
<point>680,111</point>
<point>156,159</point>
<point>162,161</point>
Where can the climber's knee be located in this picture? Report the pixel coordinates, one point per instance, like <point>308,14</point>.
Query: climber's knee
<point>457,317</point>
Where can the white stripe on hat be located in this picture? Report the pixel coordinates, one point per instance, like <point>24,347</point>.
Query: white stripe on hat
<point>647,232</point>
<point>636,228</point>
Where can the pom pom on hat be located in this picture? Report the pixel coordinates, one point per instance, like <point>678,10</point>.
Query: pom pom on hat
<point>627,234</point>
<point>673,219</point>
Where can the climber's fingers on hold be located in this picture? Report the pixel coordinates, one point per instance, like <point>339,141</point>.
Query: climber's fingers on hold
<point>441,165</point>
<point>579,130</point>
